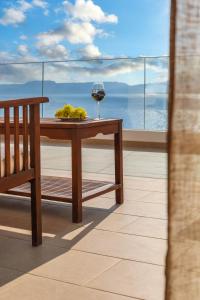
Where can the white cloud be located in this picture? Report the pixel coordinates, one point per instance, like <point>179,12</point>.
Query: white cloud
<point>24,5</point>
<point>17,15</point>
<point>86,10</point>
<point>79,33</point>
<point>56,52</point>
<point>6,57</point>
<point>90,51</point>
<point>92,71</point>
<point>114,68</point>
<point>77,29</point>
<point>23,37</point>
<point>19,73</point>
<point>23,54</point>
<point>50,38</point>
<point>75,33</point>
<point>107,69</point>
<point>42,4</point>
<point>12,16</point>
<point>22,50</point>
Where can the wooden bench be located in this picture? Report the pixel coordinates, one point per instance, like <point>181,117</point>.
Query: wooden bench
<point>17,166</point>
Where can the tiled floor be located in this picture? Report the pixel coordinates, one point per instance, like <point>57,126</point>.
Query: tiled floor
<point>117,253</point>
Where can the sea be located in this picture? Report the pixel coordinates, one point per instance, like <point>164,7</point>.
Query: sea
<point>137,112</point>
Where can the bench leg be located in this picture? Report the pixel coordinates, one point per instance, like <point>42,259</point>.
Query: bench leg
<point>119,165</point>
<point>76,179</point>
<point>36,214</point>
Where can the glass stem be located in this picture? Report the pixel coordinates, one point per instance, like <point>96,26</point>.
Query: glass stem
<point>98,110</point>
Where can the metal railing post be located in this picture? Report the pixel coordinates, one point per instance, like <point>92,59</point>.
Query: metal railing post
<point>42,88</point>
<point>144,93</point>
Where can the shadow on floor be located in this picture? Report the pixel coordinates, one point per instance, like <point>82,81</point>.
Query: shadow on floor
<point>17,256</point>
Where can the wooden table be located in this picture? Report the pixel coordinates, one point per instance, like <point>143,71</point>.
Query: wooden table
<point>77,190</point>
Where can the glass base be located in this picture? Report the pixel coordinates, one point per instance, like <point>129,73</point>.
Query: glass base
<point>96,119</point>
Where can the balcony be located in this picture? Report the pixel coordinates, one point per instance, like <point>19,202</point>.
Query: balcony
<point>118,252</point>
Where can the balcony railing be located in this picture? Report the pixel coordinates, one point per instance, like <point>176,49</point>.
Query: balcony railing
<point>136,88</point>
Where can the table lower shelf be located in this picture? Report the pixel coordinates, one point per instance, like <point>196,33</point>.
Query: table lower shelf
<point>60,189</point>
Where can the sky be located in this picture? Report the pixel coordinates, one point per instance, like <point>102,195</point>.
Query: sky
<point>39,30</point>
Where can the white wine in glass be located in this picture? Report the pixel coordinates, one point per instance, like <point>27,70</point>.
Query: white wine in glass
<point>98,94</point>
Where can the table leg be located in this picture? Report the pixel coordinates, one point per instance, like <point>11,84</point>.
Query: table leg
<point>76,179</point>
<point>119,165</point>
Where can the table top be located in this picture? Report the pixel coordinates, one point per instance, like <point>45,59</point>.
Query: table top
<point>56,123</point>
<point>57,129</point>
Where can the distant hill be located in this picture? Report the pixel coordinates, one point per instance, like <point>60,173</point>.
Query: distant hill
<point>51,87</point>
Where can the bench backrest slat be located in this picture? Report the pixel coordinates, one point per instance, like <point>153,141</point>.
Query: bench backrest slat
<point>7,140</point>
<point>25,137</point>
<point>16,140</point>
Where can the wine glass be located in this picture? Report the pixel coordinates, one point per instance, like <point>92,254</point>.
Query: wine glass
<point>98,93</point>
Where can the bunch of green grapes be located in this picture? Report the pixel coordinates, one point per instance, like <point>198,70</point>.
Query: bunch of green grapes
<point>69,111</point>
<point>79,113</point>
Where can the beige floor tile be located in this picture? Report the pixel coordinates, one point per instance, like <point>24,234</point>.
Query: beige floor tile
<point>146,184</point>
<point>155,197</point>
<point>58,228</point>
<point>124,246</point>
<point>131,170</point>
<point>114,222</point>
<point>7,275</point>
<point>75,267</point>
<point>12,232</point>
<point>101,203</point>
<point>136,163</point>
<point>57,218</point>
<point>29,287</point>
<point>57,222</point>
<point>144,196</point>
<point>60,158</point>
<point>93,168</point>
<point>135,208</point>
<point>99,176</point>
<point>160,186</point>
<point>60,231</point>
<point>58,164</point>
<point>15,209</point>
<point>20,255</point>
<point>143,209</point>
<point>134,279</point>
<point>15,217</point>
<point>147,227</point>
<point>138,195</point>
<point>129,195</point>
<point>152,164</point>
<point>53,172</point>
<point>141,173</point>
<point>85,175</point>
